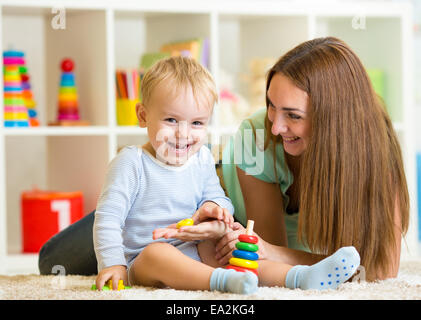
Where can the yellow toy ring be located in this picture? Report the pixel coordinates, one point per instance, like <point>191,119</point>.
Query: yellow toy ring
<point>185,222</point>
<point>244,263</point>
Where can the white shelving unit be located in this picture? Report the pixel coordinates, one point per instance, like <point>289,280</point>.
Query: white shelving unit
<point>103,35</point>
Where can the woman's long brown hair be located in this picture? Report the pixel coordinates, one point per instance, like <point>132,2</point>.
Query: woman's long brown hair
<point>352,170</point>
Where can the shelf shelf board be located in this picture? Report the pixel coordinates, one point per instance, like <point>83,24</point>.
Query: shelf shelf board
<point>119,130</point>
<point>57,131</point>
<point>130,130</point>
<point>133,130</point>
<point>95,131</point>
<point>44,7</point>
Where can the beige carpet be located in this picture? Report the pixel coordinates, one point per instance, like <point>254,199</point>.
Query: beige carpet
<point>22,287</point>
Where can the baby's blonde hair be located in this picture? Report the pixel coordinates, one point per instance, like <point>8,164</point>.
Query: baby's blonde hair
<point>182,72</point>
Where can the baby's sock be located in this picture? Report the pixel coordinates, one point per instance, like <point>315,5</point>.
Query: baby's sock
<point>228,280</point>
<point>326,274</point>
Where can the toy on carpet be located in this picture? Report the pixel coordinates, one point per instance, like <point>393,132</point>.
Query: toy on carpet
<point>68,105</point>
<point>19,106</point>
<point>109,286</point>
<point>245,257</point>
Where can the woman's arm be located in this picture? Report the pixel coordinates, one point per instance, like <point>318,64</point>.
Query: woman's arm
<point>267,250</point>
<point>263,204</point>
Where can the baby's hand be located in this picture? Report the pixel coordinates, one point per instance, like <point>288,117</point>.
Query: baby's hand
<point>212,229</point>
<point>210,222</point>
<point>210,210</point>
<point>168,232</point>
<point>113,273</point>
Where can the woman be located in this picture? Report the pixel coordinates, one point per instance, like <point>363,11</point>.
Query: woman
<point>328,151</point>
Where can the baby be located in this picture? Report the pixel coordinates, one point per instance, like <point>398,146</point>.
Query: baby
<point>170,178</point>
<point>148,189</point>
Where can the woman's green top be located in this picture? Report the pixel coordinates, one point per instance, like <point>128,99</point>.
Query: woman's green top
<point>246,150</point>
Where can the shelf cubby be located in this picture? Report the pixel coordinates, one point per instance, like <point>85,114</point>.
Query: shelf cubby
<point>57,163</point>
<point>83,39</point>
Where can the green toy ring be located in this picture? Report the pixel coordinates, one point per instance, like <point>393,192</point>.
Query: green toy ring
<point>247,246</point>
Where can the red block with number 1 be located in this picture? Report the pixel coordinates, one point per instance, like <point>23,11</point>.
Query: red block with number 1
<point>45,213</point>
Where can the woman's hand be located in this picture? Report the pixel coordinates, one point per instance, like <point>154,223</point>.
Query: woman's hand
<point>114,273</point>
<point>213,229</point>
<point>226,244</point>
<point>210,210</point>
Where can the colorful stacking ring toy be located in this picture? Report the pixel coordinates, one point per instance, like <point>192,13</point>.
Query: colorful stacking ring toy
<point>245,258</point>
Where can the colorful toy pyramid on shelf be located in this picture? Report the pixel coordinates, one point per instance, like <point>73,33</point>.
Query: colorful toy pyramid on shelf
<point>19,106</point>
<point>68,105</point>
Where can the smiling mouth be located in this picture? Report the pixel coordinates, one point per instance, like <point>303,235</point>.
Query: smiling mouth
<point>179,147</point>
<point>290,139</point>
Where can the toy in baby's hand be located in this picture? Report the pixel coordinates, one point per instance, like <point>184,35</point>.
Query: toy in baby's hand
<point>184,223</point>
<point>245,257</point>
<point>109,286</point>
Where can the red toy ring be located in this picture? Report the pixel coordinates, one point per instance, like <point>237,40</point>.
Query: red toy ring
<point>242,269</point>
<point>247,238</point>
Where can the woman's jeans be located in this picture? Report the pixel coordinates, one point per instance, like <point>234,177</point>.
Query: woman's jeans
<point>71,251</point>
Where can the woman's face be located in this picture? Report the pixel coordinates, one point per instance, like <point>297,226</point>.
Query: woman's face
<point>288,112</point>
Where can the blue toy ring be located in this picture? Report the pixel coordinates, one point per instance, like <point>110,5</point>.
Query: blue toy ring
<point>247,255</point>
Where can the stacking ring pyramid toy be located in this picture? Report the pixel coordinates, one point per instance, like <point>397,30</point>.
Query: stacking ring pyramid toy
<point>68,100</point>
<point>19,106</point>
<point>245,257</point>
<point>68,108</point>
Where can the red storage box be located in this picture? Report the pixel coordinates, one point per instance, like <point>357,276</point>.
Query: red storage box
<point>45,213</point>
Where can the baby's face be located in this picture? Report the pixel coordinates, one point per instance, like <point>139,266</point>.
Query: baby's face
<point>176,124</point>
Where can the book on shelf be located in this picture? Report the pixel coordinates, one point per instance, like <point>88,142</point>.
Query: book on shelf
<point>198,49</point>
<point>148,59</point>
